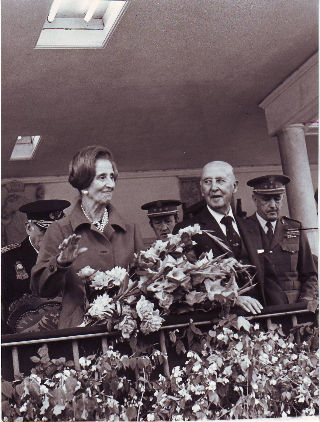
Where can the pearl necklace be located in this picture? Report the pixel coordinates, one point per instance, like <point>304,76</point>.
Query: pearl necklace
<point>100,224</point>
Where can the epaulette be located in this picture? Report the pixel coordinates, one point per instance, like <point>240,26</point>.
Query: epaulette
<point>289,219</point>
<point>10,247</point>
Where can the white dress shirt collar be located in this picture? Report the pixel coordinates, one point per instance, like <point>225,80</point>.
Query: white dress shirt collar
<point>218,217</point>
<point>263,223</point>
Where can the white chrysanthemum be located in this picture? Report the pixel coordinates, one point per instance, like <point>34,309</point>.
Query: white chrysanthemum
<point>212,385</point>
<point>196,408</point>
<point>152,323</point>
<point>100,280</point>
<point>43,389</point>
<point>213,368</point>
<point>127,326</point>
<point>150,320</point>
<point>86,272</point>
<point>144,308</point>
<point>177,418</point>
<point>227,371</point>
<point>117,275</point>
<point>101,307</point>
<point>196,367</point>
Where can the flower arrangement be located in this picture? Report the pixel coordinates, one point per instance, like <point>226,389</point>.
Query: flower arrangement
<point>230,371</point>
<point>167,279</point>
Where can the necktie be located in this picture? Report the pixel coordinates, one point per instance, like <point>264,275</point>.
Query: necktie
<point>269,232</point>
<point>232,236</point>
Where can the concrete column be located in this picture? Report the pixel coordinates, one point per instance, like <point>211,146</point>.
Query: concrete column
<point>300,195</point>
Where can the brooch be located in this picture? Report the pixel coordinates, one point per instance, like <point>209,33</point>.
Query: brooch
<point>21,273</point>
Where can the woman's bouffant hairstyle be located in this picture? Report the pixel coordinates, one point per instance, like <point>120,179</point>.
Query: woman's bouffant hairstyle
<point>82,168</point>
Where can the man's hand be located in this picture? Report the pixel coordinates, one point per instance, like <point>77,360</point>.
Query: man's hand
<point>249,304</point>
<point>70,250</point>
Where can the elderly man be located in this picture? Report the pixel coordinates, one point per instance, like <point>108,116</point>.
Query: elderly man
<point>218,184</point>
<point>163,216</point>
<point>289,273</point>
<point>18,259</point>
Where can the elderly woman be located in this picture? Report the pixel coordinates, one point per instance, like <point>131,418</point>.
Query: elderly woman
<point>92,234</point>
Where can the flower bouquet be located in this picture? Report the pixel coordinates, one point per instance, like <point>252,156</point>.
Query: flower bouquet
<point>167,278</point>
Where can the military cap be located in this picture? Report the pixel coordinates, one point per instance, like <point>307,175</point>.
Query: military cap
<point>45,211</point>
<point>269,184</point>
<point>161,207</point>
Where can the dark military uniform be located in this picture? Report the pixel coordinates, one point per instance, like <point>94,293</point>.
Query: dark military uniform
<point>16,263</point>
<point>284,256</point>
<point>288,266</point>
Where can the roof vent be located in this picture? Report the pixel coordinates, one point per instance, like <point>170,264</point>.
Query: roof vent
<point>80,24</point>
<point>25,148</point>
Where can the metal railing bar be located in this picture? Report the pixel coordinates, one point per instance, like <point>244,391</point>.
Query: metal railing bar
<point>170,327</point>
<point>75,352</point>
<point>167,327</point>
<point>104,344</point>
<point>53,339</point>
<point>15,361</point>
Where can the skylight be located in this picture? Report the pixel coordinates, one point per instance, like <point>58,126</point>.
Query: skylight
<point>80,24</point>
<point>25,148</point>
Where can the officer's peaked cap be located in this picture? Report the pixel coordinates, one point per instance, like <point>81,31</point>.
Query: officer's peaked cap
<point>45,211</point>
<point>269,184</point>
<point>161,207</point>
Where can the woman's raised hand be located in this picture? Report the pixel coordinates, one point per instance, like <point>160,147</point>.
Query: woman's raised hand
<point>69,250</point>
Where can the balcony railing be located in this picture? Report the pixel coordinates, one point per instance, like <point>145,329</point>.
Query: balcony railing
<point>22,345</point>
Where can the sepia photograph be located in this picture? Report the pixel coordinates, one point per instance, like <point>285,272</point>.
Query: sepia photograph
<point>159,210</point>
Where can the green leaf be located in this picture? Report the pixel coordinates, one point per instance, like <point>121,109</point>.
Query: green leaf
<point>70,384</point>
<point>125,361</point>
<point>19,389</point>
<point>142,362</point>
<point>212,333</point>
<point>131,412</point>
<point>133,363</point>
<point>180,347</point>
<point>172,336</point>
<point>313,305</point>
<point>7,410</point>
<point>195,330</point>
<point>7,389</point>
<point>35,359</point>
<point>242,322</point>
<point>34,389</point>
<point>43,351</point>
<point>58,408</point>
<point>223,390</point>
<point>213,397</point>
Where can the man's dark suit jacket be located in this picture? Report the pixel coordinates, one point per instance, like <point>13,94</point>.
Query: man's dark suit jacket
<point>205,244</point>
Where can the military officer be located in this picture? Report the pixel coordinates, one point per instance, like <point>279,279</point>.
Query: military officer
<point>18,259</point>
<point>282,247</point>
<point>163,216</point>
